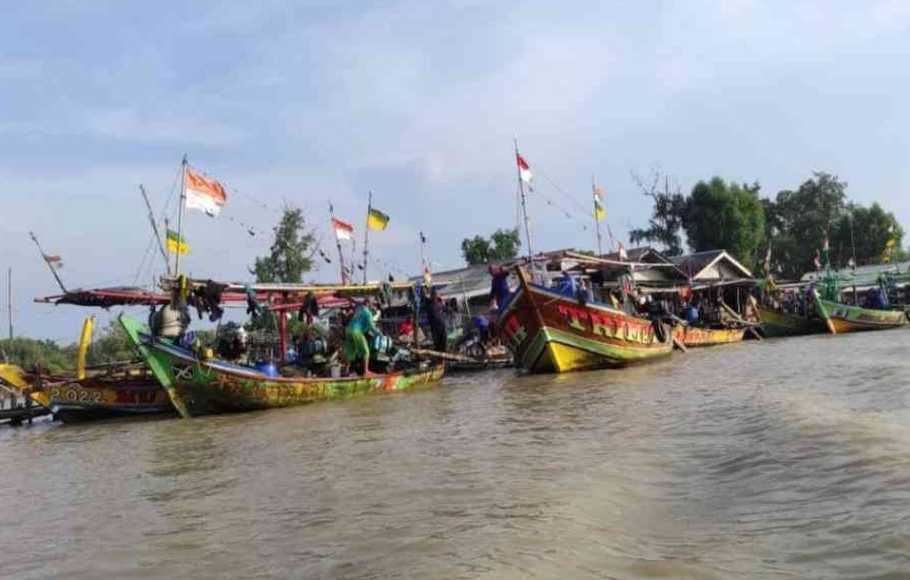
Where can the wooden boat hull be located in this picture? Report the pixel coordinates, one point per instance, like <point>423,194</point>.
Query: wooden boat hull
<point>693,336</point>
<point>775,324</point>
<point>551,333</point>
<point>97,396</point>
<point>204,387</point>
<point>843,318</point>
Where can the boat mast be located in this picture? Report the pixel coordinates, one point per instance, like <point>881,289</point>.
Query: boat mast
<point>852,241</point>
<point>180,214</point>
<point>524,204</point>
<point>366,238</point>
<point>600,250</point>
<point>49,266</point>
<point>9,300</point>
<point>148,206</point>
<point>344,272</point>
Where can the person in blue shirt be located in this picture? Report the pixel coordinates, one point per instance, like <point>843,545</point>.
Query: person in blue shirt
<point>499,287</point>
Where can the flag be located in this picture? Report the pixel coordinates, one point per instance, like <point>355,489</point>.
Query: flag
<point>623,256</point>
<point>851,263</point>
<point>818,260</point>
<point>176,244</point>
<point>889,248</point>
<point>376,220</point>
<point>55,262</point>
<point>599,212</point>
<point>825,247</point>
<point>524,170</point>
<point>427,275</point>
<point>767,263</point>
<point>203,193</point>
<point>343,230</point>
<point>423,238</point>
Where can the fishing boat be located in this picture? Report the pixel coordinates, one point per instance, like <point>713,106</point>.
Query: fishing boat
<point>89,393</point>
<point>201,386</point>
<point>842,318</point>
<point>775,323</point>
<point>695,336</point>
<point>549,332</point>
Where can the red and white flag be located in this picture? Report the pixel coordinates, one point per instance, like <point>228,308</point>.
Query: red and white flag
<point>623,256</point>
<point>203,193</point>
<point>343,230</point>
<point>524,170</point>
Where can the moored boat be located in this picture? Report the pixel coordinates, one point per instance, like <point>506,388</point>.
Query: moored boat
<point>843,318</point>
<point>200,386</point>
<point>777,324</point>
<point>694,336</point>
<point>113,392</point>
<point>89,393</point>
<point>549,332</point>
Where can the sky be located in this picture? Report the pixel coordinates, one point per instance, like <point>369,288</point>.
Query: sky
<point>310,101</point>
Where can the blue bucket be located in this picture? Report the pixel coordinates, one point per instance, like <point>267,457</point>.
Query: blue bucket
<point>267,368</point>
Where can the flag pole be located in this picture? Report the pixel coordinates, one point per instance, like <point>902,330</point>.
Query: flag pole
<point>148,206</point>
<point>524,205</point>
<point>366,238</point>
<point>423,260</point>
<point>600,249</point>
<point>344,275</point>
<point>51,268</point>
<point>9,300</point>
<point>180,214</point>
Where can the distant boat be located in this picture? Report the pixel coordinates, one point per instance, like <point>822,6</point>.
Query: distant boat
<point>549,332</point>
<point>776,324</point>
<point>843,318</point>
<point>694,336</point>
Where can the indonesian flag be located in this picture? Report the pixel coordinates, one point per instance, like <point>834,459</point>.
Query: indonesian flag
<point>203,193</point>
<point>343,230</point>
<point>524,170</point>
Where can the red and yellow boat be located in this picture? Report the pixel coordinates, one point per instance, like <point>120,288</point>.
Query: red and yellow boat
<point>549,332</point>
<point>694,336</point>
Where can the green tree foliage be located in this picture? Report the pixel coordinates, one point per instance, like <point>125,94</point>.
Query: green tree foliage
<point>110,345</point>
<point>869,229</point>
<point>291,254</point>
<point>28,352</point>
<point>804,218</point>
<point>501,246</point>
<point>667,215</point>
<point>726,216</point>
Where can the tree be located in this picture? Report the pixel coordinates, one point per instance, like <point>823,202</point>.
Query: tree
<point>112,345</point>
<point>501,246</point>
<point>475,250</point>
<point>666,217</point>
<point>805,217</point>
<point>291,254</point>
<point>726,216</point>
<point>869,230</point>
<point>506,244</point>
<point>28,352</point>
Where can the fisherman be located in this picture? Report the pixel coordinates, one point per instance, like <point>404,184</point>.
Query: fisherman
<point>499,287</point>
<point>436,318</point>
<point>356,346</point>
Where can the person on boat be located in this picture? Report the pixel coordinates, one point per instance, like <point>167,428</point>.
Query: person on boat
<point>499,287</point>
<point>356,345</point>
<point>436,319</point>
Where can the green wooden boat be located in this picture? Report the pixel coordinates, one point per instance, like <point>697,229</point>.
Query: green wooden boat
<point>841,318</point>
<point>206,386</point>
<point>776,324</point>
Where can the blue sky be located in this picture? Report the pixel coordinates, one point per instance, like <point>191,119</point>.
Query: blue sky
<point>303,102</point>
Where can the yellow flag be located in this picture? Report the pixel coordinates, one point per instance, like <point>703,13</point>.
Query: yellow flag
<point>376,220</point>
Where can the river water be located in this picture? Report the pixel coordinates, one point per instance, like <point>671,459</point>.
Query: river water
<point>787,458</point>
